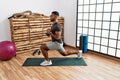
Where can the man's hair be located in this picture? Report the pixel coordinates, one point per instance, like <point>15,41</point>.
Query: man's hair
<point>55,13</point>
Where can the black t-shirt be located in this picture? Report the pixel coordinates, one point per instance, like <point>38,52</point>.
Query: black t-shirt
<point>56,27</point>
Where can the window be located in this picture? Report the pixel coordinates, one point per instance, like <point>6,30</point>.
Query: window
<point>100,20</point>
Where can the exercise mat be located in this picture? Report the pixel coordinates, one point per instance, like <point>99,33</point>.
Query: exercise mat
<point>56,61</point>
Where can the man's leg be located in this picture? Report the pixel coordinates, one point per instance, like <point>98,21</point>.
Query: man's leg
<point>44,50</point>
<point>67,52</point>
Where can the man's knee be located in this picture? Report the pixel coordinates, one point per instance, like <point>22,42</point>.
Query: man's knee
<point>44,47</point>
<point>63,53</point>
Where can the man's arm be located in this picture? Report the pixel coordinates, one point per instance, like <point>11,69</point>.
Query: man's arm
<point>57,35</point>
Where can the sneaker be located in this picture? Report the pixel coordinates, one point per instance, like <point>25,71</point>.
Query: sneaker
<point>79,55</point>
<point>46,63</point>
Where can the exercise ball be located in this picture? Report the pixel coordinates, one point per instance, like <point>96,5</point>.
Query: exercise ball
<point>7,50</point>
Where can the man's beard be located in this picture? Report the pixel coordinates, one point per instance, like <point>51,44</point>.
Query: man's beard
<point>52,20</point>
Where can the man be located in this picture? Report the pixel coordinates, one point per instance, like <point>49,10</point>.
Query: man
<point>56,44</point>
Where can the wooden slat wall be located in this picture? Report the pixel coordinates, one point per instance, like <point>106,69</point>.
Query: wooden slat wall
<point>29,33</point>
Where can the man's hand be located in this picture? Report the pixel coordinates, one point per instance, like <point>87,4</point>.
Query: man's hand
<point>48,31</point>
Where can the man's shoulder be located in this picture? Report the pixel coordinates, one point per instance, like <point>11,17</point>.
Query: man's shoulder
<point>57,23</point>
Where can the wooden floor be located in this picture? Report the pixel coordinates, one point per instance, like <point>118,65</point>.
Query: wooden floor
<point>99,68</point>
